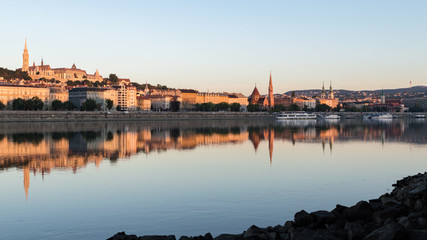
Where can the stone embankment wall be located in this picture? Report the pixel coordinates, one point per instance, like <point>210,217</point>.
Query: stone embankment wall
<point>401,214</point>
<point>23,116</point>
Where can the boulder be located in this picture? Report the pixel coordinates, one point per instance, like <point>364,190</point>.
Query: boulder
<point>323,217</point>
<point>388,232</point>
<point>302,218</point>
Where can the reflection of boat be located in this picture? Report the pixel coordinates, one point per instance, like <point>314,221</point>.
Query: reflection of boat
<point>330,117</point>
<point>382,116</point>
<point>295,116</point>
<point>297,123</point>
<point>419,116</point>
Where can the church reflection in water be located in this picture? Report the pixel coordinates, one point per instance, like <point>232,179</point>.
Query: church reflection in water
<point>42,147</point>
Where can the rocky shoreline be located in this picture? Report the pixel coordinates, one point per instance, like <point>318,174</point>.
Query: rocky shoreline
<point>401,214</point>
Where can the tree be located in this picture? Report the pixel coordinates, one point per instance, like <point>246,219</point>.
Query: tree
<point>68,105</point>
<point>175,106</point>
<point>294,107</point>
<point>38,103</point>
<point>293,94</point>
<point>222,106</point>
<point>110,104</point>
<point>113,78</point>
<point>118,108</point>
<point>279,108</point>
<point>57,105</point>
<point>323,108</point>
<point>89,105</point>
<point>235,107</point>
<point>253,108</point>
<point>18,104</point>
<point>2,106</point>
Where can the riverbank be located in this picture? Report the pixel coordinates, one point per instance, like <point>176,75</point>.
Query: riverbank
<point>78,116</point>
<point>34,116</point>
<point>401,214</point>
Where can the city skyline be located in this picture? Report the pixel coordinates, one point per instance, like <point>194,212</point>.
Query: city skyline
<point>225,46</point>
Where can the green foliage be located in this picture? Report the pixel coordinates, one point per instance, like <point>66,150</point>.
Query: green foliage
<point>57,105</point>
<point>205,107</point>
<point>322,108</point>
<point>113,78</point>
<point>90,105</point>
<point>18,104</point>
<point>235,107</point>
<point>294,107</point>
<point>67,105</point>
<point>2,106</point>
<point>253,108</point>
<point>110,104</point>
<point>175,106</point>
<point>416,108</point>
<point>30,104</point>
<point>11,74</point>
<point>278,108</point>
<point>118,108</point>
<point>222,106</point>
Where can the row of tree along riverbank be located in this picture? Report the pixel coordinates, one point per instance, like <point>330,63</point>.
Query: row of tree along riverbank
<point>401,214</point>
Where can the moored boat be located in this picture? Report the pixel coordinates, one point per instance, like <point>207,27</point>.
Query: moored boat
<point>295,115</point>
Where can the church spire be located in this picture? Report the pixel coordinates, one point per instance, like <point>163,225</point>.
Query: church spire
<point>323,91</point>
<point>331,91</point>
<point>270,93</point>
<point>25,58</point>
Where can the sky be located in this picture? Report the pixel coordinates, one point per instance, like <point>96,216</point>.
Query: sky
<point>226,45</point>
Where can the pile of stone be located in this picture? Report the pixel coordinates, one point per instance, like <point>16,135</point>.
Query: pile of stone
<point>401,214</point>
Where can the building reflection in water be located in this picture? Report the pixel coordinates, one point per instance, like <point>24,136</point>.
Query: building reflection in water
<point>39,148</point>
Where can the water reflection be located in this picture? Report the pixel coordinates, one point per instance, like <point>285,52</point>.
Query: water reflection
<point>41,147</point>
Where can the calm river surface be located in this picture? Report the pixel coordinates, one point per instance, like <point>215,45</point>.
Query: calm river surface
<point>91,180</point>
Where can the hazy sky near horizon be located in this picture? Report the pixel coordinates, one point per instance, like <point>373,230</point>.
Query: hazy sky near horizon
<point>226,45</point>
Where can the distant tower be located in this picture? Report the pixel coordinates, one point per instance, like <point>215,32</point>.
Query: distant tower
<point>42,62</point>
<point>25,58</point>
<point>331,92</point>
<point>146,90</point>
<point>97,73</point>
<point>382,97</point>
<point>270,93</point>
<point>323,91</point>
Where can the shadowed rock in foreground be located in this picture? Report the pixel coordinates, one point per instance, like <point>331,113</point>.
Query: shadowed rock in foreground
<point>401,214</point>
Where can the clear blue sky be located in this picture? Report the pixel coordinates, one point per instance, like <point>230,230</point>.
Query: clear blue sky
<point>226,45</point>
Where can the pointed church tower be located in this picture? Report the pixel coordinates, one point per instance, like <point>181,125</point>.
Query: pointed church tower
<point>323,91</point>
<point>270,94</point>
<point>25,58</point>
<point>97,73</point>
<point>331,92</point>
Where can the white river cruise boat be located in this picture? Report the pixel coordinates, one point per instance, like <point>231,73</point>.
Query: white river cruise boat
<point>295,115</point>
<point>382,116</point>
<point>330,117</point>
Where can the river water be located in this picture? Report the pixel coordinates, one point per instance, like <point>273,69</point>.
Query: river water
<point>89,180</point>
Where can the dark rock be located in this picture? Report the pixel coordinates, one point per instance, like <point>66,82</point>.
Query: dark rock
<point>422,222</point>
<point>323,216</point>
<point>388,232</point>
<point>279,229</point>
<point>381,216</point>
<point>417,234</point>
<point>157,237</point>
<point>118,236</point>
<point>289,224</point>
<point>255,233</point>
<point>229,237</point>
<point>355,230</point>
<point>302,218</point>
<point>309,234</point>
